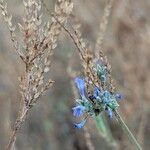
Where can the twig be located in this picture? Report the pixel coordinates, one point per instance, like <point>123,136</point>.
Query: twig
<point>17,127</point>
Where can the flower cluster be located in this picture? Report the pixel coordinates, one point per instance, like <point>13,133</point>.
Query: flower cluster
<point>99,101</point>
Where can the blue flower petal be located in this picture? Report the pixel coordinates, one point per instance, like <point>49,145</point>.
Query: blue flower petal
<point>80,83</point>
<point>96,92</point>
<point>106,97</point>
<point>109,112</point>
<point>78,110</point>
<point>106,94</point>
<point>80,125</point>
<point>92,97</point>
<point>118,97</point>
<point>105,100</point>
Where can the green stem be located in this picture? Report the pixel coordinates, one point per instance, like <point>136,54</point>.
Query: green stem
<point>126,129</point>
<point>104,130</point>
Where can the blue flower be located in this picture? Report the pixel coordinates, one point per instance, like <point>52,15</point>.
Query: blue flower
<point>78,110</point>
<point>106,97</point>
<point>80,85</point>
<point>106,94</point>
<point>80,125</point>
<point>92,97</point>
<point>109,112</point>
<point>118,97</point>
<point>96,92</point>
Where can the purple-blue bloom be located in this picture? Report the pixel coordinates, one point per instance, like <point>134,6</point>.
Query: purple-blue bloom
<point>92,97</point>
<point>80,125</point>
<point>106,94</point>
<point>118,97</point>
<point>109,112</point>
<point>78,110</point>
<point>103,99</point>
<point>96,92</point>
<point>106,97</point>
<point>80,83</point>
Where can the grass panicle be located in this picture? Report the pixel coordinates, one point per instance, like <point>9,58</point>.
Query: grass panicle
<point>39,41</point>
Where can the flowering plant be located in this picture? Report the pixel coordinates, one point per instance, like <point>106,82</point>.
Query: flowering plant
<point>100,100</point>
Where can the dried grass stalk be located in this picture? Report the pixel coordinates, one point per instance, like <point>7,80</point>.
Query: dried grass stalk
<point>39,41</point>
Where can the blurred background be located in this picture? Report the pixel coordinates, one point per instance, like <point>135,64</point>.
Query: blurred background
<point>50,123</point>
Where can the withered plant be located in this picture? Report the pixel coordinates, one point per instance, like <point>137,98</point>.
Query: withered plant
<point>38,42</point>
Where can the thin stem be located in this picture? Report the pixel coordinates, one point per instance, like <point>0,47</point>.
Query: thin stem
<point>127,131</point>
<point>76,44</point>
<point>17,127</point>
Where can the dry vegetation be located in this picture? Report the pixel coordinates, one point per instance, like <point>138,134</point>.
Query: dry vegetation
<point>124,37</point>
